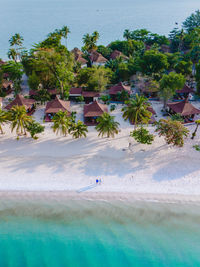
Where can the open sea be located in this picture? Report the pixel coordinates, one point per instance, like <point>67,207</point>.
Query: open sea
<point>34,19</point>
<point>56,232</point>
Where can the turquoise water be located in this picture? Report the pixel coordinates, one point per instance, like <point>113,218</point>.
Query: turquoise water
<point>36,18</point>
<point>98,233</point>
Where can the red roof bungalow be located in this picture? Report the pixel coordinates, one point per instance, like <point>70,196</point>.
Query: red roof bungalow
<point>78,54</point>
<point>75,92</point>
<point>184,92</point>
<point>92,112</point>
<point>90,96</point>
<point>54,106</point>
<point>185,109</point>
<point>118,88</point>
<point>7,86</point>
<point>117,54</point>
<point>97,59</point>
<point>19,100</point>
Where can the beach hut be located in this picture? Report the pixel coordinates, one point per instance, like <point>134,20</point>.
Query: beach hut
<point>78,55</point>
<point>118,88</point>
<point>184,92</point>
<point>20,100</point>
<point>90,96</point>
<point>117,54</point>
<point>97,59</point>
<point>54,106</point>
<point>184,108</point>
<point>7,86</point>
<point>92,112</point>
<point>75,92</point>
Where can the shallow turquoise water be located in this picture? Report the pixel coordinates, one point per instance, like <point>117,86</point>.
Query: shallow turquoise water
<point>98,233</point>
<point>36,18</point>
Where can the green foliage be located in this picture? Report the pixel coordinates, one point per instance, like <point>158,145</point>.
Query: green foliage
<point>43,96</point>
<point>33,81</point>
<point>95,78</point>
<point>105,99</point>
<point>153,62</point>
<point>112,107</point>
<point>128,48</point>
<point>107,125</point>
<point>3,119</point>
<point>192,22</point>
<point>196,147</point>
<point>197,77</point>
<point>136,110</point>
<point>177,117</point>
<point>142,136</point>
<point>80,99</point>
<point>35,128</point>
<point>173,131</point>
<point>90,41</point>
<point>169,84</point>
<point>61,123</point>
<point>195,131</point>
<point>184,67</point>
<point>123,96</point>
<point>78,130</point>
<point>19,119</point>
<point>105,51</point>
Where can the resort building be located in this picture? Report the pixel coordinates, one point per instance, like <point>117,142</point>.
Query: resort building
<point>92,112</point>
<point>185,109</point>
<point>97,59</point>
<point>184,93</point>
<point>117,54</point>
<point>75,92</point>
<point>90,96</point>
<point>118,88</point>
<point>78,55</point>
<point>19,100</point>
<point>7,86</point>
<point>54,106</point>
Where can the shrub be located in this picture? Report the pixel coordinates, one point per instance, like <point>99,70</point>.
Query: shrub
<point>142,136</point>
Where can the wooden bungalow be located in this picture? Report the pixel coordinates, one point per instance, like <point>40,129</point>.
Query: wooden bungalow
<point>117,54</point>
<point>7,86</point>
<point>78,55</point>
<point>75,92</point>
<point>118,88</point>
<point>55,106</point>
<point>90,96</point>
<point>97,59</point>
<point>184,92</point>
<point>185,109</point>
<point>19,100</point>
<point>92,112</point>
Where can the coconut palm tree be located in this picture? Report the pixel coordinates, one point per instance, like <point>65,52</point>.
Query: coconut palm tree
<point>61,123</point>
<point>90,41</point>
<point>78,130</point>
<point>12,54</point>
<point>107,125</point>
<point>19,119</point>
<point>127,34</point>
<point>136,110</point>
<point>64,32</point>
<point>16,41</point>
<point>195,131</point>
<point>3,119</point>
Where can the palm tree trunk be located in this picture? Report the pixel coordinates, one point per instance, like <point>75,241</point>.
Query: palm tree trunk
<point>195,131</point>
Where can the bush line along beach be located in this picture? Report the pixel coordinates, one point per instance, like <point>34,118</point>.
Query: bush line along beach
<point>126,114</point>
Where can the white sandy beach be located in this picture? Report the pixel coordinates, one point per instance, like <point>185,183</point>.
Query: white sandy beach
<point>54,163</point>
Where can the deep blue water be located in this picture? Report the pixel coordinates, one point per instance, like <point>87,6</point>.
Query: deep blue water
<point>98,233</point>
<point>36,18</point>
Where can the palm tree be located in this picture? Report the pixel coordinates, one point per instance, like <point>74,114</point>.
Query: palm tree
<point>19,119</point>
<point>90,41</point>
<point>61,123</point>
<point>16,41</point>
<point>64,32</point>
<point>78,130</point>
<point>195,131</point>
<point>136,110</point>
<point>3,119</point>
<point>12,54</point>
<point>127,34</point>
<point>107,125</point>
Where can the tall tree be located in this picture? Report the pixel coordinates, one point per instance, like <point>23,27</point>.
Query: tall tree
<point>61,123</point>
<point>19,119</point>
<point>169,84</point>
<point>107,125</point>
<point>137,111</point>
<point>192,22</point>
<point>90,41</point>
<point>16,41</point>
<point>78,130</point>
